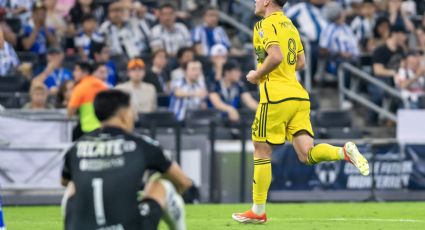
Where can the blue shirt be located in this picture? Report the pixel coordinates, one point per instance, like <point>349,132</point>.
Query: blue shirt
<point>209,37</point>
<point>230,95</point>
<point>40,44</point>
<point>112,73</point>
<point>57,77</point>
<point>179,105</point>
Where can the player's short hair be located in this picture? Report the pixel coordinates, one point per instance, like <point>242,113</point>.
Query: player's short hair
<point>86,66</point>
<point>108,103</point>
<point>88,17</point>
<point>280,3</point>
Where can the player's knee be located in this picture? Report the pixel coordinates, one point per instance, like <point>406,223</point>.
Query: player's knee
<point>262,150</point>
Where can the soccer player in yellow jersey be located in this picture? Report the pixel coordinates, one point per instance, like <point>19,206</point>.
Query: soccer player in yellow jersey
<point>284,109</point>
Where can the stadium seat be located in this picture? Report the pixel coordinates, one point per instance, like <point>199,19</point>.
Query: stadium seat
<point>157,119</point>
<point>339,133</point>
<point>70,61</point>
<point>29,57</point>
<point>9,100</point>
<point>336,118</point>
<point>197,118</point>
<point>11,83</point>
<point>163,100</point>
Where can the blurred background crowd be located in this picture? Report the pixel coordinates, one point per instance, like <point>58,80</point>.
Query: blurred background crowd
<point>180,55</point>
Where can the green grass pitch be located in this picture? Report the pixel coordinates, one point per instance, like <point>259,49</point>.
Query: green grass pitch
<point>314,216</point>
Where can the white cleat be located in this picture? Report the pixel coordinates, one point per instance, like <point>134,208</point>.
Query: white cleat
<point>353,156</point>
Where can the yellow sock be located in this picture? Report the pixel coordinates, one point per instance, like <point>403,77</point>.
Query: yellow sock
<point>325,152</point>
<point>262,180</point>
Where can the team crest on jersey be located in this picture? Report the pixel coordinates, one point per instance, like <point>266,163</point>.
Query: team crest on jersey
<point>261,33</point>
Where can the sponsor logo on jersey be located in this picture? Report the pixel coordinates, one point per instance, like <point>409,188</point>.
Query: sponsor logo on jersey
<point>108,148</point>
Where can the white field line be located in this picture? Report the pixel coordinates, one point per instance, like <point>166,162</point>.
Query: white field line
<point>349,219</point>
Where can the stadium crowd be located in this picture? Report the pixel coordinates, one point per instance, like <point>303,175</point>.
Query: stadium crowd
<point>168,57</point>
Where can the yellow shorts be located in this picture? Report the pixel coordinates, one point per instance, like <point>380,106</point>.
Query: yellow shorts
<point>275,123</point>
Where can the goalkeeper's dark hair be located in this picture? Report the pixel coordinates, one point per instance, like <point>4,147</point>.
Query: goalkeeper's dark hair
<point>108,103</point>
<point>280,3</point>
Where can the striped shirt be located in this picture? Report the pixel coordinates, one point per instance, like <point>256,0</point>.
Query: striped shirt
<point>171,40</point>
<point>8,59</point>
<point>83,41</point>
<point>132,39</point>
<point>362,27</point>
<point>339,38</point>
<point>179,105</point>
<point>208,37</point>
<point>308,19</point>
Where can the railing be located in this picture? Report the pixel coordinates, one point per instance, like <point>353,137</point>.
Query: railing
<point>352,93</point>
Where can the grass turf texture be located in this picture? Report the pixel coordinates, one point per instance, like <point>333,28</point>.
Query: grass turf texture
<point>316,216</point>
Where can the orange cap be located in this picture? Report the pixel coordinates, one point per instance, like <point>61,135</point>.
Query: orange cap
<point>134,63</point>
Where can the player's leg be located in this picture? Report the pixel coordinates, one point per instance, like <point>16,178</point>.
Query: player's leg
<point>268,127</point>
<point>161,200</point>
<point>301,134</point>
<point>260,186</point>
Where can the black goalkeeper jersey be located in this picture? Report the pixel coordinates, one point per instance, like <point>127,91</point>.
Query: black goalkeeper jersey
<point>107,167</point>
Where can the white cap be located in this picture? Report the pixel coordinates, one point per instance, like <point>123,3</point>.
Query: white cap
<point>219,50</point>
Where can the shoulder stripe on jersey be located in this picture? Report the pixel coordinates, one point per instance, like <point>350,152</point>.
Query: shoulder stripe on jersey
<point>275,31</point>
<point>261,24</point>
<point>271,43</point>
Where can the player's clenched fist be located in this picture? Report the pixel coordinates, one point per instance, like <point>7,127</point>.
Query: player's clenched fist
<point>253,77</point>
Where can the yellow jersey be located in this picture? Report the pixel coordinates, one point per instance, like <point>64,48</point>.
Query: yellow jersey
<point>281,84</point>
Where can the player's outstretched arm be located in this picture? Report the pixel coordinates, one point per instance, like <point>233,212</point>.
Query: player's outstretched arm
<point>176,175</point>
<point>272,61</point>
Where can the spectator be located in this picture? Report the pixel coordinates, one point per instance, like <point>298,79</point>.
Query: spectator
<point>83,40</point>
<point>410,79</point>
<point>142,14</point>
<point>38,97</point>
<point>157,74</point>
<point>36,35</point>
<point>184,55</point>
<point>54,20</point>
<point>218,58</point>
<point>123,36</point>
<point>398,16</point>
<point>209,34</point>
<point>21,9</point>
<point>385,62</point>
<point>101,72</point>
<point>82,97</point>
<point>83,7</point>
<point>187,93</point>
<point>64,94</point>
<point>100,53</point>
<point>420,38</point>
<point>381,32</point>
<point>8,35</point>
<point>64,6</point>
<point>307,17</point>
<point>362,25</point>
<point>337,40</point>
<point>8,59</point>
<point>169,34</point>
<point>229,93</point>
<point>143,95</point>
<point>54,74</point>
